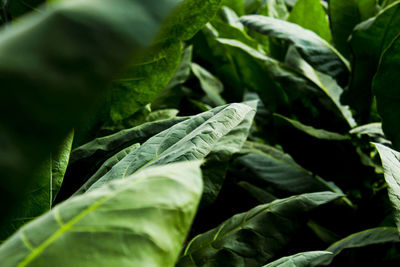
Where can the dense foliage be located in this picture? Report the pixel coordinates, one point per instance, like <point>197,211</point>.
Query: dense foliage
<point>200,133</point>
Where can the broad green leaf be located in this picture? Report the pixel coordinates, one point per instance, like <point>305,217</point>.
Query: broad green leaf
<point>254,237</point>
<point>310,15</point>
<point>319,53</point>
<point>324,82</point>
<point>368,41</point>
<point>211,86</point>
<point>217,133</point>
<point>278,169</point>
<point>358,240</point>
<point>391,168</point>
<point>48,179</point>
<point>140,221</point>
<point>87,159</point>
<point>385,86</point>
<point>302,259</point>
<point>344,15</point>
<point>50,75</point>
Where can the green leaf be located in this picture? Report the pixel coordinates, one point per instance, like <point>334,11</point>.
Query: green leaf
<point>141,83</point>
<point>236,5</point>
<point>254,237</point>
<point>365,238</point>
<point>217,133</point>
<point>50,74</point>
<point>311,131</point>
<point>319,53</point>
<point>210,85</point>
<point>106,167</point>
<point>87,159</point>
<point>48,179</point>
<point>344,15</point>
<point>139,221</point>
<point>302,259</point>
<point>171,95</point>
<point>322,81</point>
<point>278,169</point>
<point>386,89</point>
<point>274,8</point>
<point>368,41</point>
<point>310,15</point>
<point>391,168</point>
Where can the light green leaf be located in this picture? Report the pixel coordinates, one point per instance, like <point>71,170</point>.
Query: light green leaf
<point>210,85</point>
<point>344,15</point>
<point>217,133</point>
<point>87,159</point>
<point>319,53</point>
<point>368,41</point>
<point>253,237</point>
<point>386,86</point>
<point>310,15</point>
<point>303,259</point>
<point>140,221</point>
<point>365,238</point>
<point>391,168</point>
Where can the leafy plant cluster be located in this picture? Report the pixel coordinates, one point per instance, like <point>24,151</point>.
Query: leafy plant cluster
<point>200,133</point>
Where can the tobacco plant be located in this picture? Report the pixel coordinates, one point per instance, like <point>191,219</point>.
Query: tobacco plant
<point>199,133</point>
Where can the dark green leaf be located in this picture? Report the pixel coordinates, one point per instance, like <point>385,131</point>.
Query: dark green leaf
<point>47,182</point>
<point>211,86</point>
<point>344,15</point>
<point>140,221</point>
<point>386,89</point>
<point>368,41</point>
<point>320,54</point>
<point>253,237</point>
<point>361,239</point>
<point>55,65</point>
<point>278,169</point>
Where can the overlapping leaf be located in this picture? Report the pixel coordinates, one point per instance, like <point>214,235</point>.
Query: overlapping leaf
<point>320,54</point>
<point>253,237</point>
<point>140,221</point>
<point>368,41</point>
<point>219,133</point>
